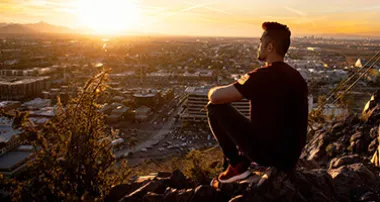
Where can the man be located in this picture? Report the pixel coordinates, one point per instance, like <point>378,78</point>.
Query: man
<point>276,131</point>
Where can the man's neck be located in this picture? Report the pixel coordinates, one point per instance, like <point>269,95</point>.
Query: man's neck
<point>274,58</point>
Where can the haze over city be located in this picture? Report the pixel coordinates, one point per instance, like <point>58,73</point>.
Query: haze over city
<point>200,18</point>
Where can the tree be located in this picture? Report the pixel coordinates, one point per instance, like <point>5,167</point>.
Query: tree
<point>73,152</point>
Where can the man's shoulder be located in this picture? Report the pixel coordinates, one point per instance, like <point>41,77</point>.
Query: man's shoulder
<point>258,70</point>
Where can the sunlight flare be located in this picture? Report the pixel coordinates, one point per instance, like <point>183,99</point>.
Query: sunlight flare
<point>109,16</point>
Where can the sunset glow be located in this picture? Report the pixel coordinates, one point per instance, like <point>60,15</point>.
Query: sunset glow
<point>199,17</point>
<point>109,16</point>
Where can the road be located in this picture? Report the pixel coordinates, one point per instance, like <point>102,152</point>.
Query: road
<point>150,142</point>
<point>166,128</point>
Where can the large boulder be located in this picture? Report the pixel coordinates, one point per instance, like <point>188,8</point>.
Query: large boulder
<point>376,156</point>
<point>157,187</point>
<point>349,179</point>
<point>173,195</point>
<point>203,193</point>
<point>345,160</point>
<point>179,181</point>
<point>371,111</point>
<point>316,149</point>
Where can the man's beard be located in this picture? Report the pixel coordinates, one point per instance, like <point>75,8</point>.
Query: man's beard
<point>261,58</point>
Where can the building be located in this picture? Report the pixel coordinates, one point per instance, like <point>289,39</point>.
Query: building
<point>9,105</point>
<point>362,63</point>
<point>119,113</point>
<point>197,100</point>
<point>14,161</point>
<point>146,99</point>
<point>9,137</point>
<point>142,113</point>
<point>15,88</point>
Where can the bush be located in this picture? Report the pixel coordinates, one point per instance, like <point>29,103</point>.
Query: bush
<point>199,168</point>
<point>73,153</point>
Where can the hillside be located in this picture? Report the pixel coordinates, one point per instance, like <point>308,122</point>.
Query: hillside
<point>339,163</point>
<point>16,29</point>
<point>33,28</point>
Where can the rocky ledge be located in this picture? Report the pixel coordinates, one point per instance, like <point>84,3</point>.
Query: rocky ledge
<point>339,163</point>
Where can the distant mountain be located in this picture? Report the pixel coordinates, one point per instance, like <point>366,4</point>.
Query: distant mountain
<point>16,29</point>
<point>44,27</point>
<point>33,28</point>
<point>3,24</point>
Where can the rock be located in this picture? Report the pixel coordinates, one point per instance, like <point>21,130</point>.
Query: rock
<point>359,146</point>
<point>374,132</point>
<point>152,186</point>
<point>351,120</point>
<point>315,149</point>
<point>174,195</point>
<point>119,191</point>
<point>179,181</point>
<point>374,100</point>
<point>247,198</point>
<point>229,190</point>
<point>345,160</point>
<point>314,185</point>
<point>161,149</point>
<point>163,175</point>
<point>304,164</point>
<point>337,128</point>
<point>143,150</point>
<point>376,156</point>
<point>152,197</point>
<point>344,176</point>
<point>203,193</point>
<point>355,137</point>
<point>131,199</point>
<point>373,146</point>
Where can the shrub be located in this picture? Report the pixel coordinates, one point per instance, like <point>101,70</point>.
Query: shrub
<point>73,153</point>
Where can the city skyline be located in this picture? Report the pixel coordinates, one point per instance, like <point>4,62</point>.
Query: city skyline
<point>202,18</point>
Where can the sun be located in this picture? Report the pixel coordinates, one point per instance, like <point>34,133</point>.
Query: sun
<point>109,16</point>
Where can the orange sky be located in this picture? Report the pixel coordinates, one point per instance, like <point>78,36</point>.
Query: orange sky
<point>195,17</point>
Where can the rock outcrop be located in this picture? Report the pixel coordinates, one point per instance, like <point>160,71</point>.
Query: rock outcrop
<point>348,182</point>
<point>355,135</point>
<point>340,163</point>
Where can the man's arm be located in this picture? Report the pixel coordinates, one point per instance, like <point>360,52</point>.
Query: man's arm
<point>224,94</point>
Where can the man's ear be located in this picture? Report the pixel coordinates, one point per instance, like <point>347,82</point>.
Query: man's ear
<point>270,47</point>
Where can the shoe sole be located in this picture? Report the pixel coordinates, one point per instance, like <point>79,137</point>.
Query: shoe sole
<point>236,178</point>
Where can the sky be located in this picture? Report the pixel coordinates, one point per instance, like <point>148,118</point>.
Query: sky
<point>200,17</point>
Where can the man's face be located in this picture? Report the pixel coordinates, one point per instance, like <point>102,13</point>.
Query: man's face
<point>264,48</point>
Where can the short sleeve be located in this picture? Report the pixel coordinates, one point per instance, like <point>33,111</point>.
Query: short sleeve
<point>249,84</point>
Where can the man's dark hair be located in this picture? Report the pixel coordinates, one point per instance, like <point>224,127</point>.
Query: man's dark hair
<point>279,34</point>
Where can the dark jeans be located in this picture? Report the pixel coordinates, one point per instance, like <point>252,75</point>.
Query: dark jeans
<point>232,129</point>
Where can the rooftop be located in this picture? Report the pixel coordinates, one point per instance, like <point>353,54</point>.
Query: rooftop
<point>203,90</point>
<point>21,80</point>
<point>6,130</point>
<point>12,159</point>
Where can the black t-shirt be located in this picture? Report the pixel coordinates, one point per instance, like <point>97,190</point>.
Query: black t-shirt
<point>278,109</point>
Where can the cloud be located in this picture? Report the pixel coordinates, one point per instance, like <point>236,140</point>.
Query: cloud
<point>210,8</point>
<point>298,12</point>
<point>352,9</point>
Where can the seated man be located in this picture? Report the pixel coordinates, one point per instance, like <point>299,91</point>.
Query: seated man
<point>276,131</point>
